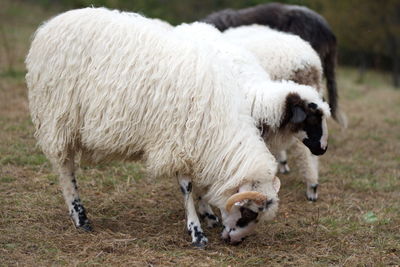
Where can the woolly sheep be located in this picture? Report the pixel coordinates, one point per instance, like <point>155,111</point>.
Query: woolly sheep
<point>286,112</point>
<point>105,85</point>
<point>285,57</point>
<point>299,20</point>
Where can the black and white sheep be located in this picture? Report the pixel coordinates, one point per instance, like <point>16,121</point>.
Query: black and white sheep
<point>284,56</point>
<point>285,112</point>
<point>298,20</point>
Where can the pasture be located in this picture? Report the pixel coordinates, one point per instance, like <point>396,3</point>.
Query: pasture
<point>139,220</point>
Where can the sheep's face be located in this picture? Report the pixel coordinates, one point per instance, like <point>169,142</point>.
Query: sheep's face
<point>244,210</point>
<point>314,131</point>
<point>308,122</point>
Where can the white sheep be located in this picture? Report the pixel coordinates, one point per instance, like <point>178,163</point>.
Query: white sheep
<point>286,57</point>
<point>285,111</point>
<point>105,85</point>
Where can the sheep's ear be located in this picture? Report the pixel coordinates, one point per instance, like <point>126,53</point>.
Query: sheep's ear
<point>298,114</point>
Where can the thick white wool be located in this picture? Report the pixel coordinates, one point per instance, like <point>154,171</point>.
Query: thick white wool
<point>114,85</point>
<point>265,98</point>
<point>281,54</point>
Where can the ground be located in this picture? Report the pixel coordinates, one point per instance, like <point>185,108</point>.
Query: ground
<point>141,221</point>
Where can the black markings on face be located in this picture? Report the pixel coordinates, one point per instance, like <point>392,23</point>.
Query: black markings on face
<point>312,124</point>
<point>269,203</point>
<point>313,106</point>
<point>247,217</point>
<point>78,208</point>
<point>313,128</point>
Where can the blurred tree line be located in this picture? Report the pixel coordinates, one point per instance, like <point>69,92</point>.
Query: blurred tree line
<point>368,31</point>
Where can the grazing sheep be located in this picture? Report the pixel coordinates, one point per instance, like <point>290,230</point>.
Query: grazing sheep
<point>285,112</point>
<point>298,20</point>
<point>105,85</point>
<point>285,57</point>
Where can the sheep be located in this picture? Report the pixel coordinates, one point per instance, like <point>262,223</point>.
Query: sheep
<point>284,111</point>
<point>298,20</point>
<point>284,56</point>
<point>108,85</point>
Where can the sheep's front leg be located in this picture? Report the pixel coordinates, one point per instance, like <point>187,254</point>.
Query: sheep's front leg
<point>207,214</point>
<point>308,167</point>
<point>193,223</point>
<point>71,196</point>
<point>281,158</point>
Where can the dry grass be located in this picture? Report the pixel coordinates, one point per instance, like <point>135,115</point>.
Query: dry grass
<point>141,222</point>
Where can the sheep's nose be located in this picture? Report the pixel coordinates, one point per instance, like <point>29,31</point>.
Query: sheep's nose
<point>315,147</point>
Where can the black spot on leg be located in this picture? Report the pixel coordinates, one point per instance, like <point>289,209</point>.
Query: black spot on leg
<point>283,162</point>
<point>314,188</point>
<point>74,182</point>
<point>78,208</point>
<point>183,190</point>
<point>186,189</point>
<point>198,234</point>
<point>189,187</point>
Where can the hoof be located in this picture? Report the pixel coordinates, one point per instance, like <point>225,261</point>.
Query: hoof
<point>283,168</point>
<point>87,227</point>
<point>200,244</point>
<point>312,199</point>
<point>312,192</point>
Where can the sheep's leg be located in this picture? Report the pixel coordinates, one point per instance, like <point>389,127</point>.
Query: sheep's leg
<point>71,196</point>
<point>207,214</point>
<point>193,223</point>
<point>281,157</point>
<point>308,167</point>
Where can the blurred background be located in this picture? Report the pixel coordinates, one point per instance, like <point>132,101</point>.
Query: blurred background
<point>368,31</point>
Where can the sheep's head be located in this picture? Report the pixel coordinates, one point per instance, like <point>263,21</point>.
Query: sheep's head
<point>307,120</point>
<point>245,209</point>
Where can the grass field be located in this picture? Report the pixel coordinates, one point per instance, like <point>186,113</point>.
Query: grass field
<point>140,221</point>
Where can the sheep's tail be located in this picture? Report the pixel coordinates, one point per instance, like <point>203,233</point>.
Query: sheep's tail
<point>329,65</point>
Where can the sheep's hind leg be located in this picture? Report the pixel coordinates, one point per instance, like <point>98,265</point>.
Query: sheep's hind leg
<point>193,223</point>
<point>281,157</point>
<point>207,214</point>
<point>70,191</point>
<point>308,167</point>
